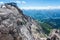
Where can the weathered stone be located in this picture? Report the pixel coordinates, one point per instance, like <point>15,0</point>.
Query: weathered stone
<point>14,25</point>
<point>54,35</point>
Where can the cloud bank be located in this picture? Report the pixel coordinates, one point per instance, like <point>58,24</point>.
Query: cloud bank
<point>38,8</point>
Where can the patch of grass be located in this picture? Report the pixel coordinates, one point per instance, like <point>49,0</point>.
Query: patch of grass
<point>46,27</point>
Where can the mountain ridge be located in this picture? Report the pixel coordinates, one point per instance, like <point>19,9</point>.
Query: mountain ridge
<point>17,26</point>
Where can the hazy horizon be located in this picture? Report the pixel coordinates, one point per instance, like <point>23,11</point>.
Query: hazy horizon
<point>35,4</point>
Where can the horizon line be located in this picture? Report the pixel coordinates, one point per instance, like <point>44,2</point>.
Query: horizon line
<point>38,8</point>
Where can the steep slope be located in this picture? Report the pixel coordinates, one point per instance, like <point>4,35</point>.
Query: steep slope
<point>14,25</point>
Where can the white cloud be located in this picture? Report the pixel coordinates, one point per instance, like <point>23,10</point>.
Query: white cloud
<point>18,2</point>
<point>38,8</point>
<point>23,2</point>
<point>1,2</point>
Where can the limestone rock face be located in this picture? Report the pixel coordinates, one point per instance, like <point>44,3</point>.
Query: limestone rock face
<point>14,25</point>
<point>54,35</point>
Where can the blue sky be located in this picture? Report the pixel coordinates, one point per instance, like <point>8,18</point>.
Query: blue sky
<point>34,3</point>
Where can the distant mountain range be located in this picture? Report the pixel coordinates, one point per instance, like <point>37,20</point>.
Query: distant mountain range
<point>51,17</point>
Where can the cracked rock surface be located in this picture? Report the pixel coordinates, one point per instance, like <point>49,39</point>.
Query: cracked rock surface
<point>14,25</point>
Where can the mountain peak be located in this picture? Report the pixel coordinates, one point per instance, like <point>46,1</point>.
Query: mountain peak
<point>14,25</point>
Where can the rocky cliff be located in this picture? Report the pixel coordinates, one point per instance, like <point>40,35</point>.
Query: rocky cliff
<point>54,35</point>
<point>14,25</point>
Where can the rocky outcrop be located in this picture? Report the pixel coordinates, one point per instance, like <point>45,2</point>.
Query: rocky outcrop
<point>54,35</point>
<point>14,25</point>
